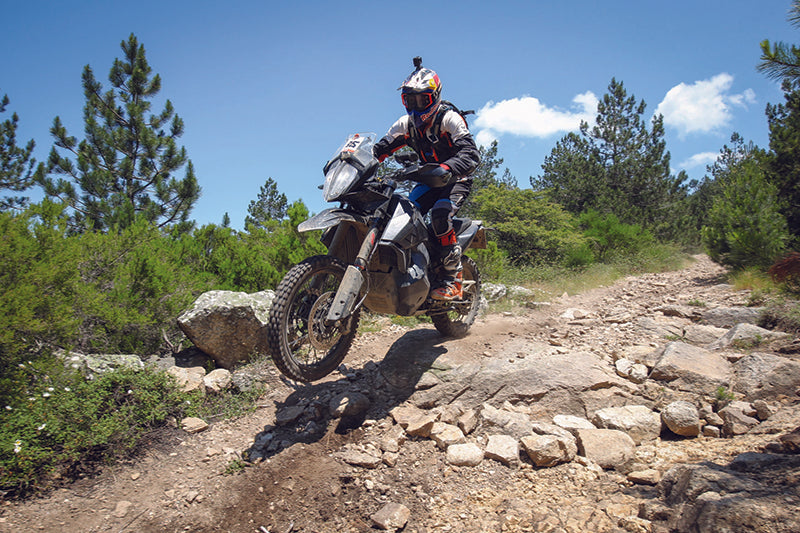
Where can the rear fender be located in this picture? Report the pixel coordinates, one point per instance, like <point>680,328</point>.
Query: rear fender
<point>470,233</point>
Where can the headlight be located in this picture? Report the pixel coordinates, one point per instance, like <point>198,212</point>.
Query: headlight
<point>340,177</point>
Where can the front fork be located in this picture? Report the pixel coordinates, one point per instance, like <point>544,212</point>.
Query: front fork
<point>344,303</point>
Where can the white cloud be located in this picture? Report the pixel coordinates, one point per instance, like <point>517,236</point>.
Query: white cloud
<point>701,159</point>
<point>528,117</point>
<point>704,106</point>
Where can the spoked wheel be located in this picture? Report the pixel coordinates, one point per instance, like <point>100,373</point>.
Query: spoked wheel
<point>303,347</point>
<point>453,319</point>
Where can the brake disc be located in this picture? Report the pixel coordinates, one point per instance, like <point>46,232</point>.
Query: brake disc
<point>320,336</point>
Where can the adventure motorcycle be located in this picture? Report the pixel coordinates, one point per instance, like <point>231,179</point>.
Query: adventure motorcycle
<point>381,255</point>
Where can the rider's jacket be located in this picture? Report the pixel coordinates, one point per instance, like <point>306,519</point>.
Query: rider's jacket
<point>451,145</point>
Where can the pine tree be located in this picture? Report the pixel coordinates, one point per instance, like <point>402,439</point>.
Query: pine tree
<point>616,166</point>
<point>16,163</point>
<point>745,228</point>
<point>784,157</point>
<point>268,208</point>
<point>124,168</point>
<point>781,60</point>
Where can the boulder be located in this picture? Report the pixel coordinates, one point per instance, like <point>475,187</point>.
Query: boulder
<point>572,423</point>
<point>348,404</point>
<point>692,369</point>
<point>228,326</point>
<point>445,435</point>
<point>556,383</point>
<point>493,291</point>
<point>609,448</point>
<point>766,376</point>
<point>502,448</point>
<point>640,422</point>
<point>682,418</point>
<point>736,422</point>
<point>392,516</point>
<point>549,450</point>
<point>512,423</point>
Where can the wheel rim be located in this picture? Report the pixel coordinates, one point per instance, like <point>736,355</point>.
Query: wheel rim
<point>307,338</point>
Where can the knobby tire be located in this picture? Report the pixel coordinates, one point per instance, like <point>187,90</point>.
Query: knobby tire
<point>303,292</point>
<point>456,322</point>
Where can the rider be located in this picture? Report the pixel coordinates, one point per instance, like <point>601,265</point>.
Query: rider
<point>438,134</point>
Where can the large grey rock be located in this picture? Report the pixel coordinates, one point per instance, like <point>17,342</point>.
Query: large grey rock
<point>691,368</point>
<point>493,291</point>
<point>766,376</point>
<point>445,435</point>
<point>710,497</point>
<point>228,326</point>
<point>640,422</point>
<point>747,336</point>
<point>631,370</point>
<point>572,423</point>
<point>736,421</point>
<point>608,448</point>
<point>682,418</point>
<point>727,317</point>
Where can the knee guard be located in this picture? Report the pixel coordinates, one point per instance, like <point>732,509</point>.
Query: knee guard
<point>440,220</point>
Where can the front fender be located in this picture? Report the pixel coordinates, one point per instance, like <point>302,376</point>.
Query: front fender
<point>330,218</point>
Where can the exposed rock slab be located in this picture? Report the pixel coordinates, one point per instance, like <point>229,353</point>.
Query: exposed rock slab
<point>691,368</point>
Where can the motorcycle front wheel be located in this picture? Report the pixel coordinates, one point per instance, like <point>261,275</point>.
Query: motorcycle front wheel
<point>455,318</point>
<point>303,347</point>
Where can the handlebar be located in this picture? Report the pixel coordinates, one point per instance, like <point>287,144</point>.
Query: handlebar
<point>431,174</point>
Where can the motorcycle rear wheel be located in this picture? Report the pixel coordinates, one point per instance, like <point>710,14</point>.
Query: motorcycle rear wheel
<point>302,346</point>
<point>459,315</point>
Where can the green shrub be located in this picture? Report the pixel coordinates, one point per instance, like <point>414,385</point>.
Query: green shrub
<point>64,421</point>
<point>609,238</point>
<point>526,225</point>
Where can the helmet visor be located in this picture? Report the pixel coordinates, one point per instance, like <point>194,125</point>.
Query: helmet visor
<point>417,101</point>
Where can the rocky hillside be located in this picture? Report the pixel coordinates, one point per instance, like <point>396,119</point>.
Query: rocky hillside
<point>652,405</point>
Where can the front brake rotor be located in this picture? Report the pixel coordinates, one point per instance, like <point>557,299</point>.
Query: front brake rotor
<point>320,336</point>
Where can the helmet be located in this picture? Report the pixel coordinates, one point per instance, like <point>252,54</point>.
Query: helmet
<point>421,94</point>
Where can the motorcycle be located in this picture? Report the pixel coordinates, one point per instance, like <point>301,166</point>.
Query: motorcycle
<point>382,256</point>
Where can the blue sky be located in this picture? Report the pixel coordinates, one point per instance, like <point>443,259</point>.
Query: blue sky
<point>270,89</point>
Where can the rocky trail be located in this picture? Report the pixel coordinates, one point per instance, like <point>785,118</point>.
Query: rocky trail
<point>652,405</point>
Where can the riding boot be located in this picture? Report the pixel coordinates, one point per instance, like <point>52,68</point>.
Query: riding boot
<point>451,288</point>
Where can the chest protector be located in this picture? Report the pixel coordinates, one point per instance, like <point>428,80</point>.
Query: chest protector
<point>433,145</point>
